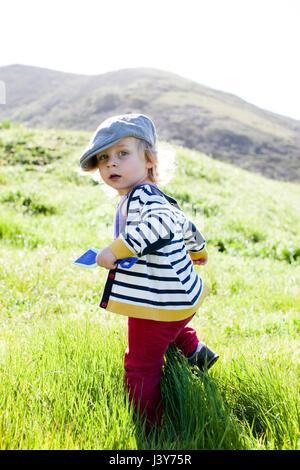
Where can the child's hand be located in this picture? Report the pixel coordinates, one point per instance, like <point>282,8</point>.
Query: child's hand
<point>201,261</point>
<point>106,259</point>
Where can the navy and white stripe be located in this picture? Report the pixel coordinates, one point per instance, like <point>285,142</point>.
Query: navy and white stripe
<point>160,235</point>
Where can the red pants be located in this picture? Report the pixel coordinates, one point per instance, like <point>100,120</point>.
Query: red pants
<point>148,340</point>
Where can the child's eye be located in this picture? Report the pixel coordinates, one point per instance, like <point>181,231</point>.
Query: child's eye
<point>102,157</point>
<point>123,153</point>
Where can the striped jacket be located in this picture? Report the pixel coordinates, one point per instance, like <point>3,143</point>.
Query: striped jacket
<point>163,284</point>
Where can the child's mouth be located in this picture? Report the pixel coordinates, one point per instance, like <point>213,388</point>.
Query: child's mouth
<point>114,177</point>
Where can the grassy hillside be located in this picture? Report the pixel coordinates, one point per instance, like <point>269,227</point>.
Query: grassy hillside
<point>61,356</point>
<point>185,112</point>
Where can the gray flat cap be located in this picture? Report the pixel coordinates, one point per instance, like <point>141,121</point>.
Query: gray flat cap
<point>113,129</point>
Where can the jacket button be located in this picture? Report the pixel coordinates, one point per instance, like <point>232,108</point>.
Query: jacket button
<point>104,304</point>
<point>111,275</point>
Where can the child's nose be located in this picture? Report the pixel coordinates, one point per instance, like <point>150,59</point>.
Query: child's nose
<point>111,161</point>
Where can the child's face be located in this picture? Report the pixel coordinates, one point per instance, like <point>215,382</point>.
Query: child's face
<point>123,165</point>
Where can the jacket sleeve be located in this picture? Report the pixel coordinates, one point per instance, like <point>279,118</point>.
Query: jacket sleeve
<point>153,228</point>
<point>194,240</point>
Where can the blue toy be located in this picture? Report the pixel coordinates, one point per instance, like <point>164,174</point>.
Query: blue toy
<point>88,260</point>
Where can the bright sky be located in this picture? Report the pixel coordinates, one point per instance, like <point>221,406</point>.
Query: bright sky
<point>246,47</point>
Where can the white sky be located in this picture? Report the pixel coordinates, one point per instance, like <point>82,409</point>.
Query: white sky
<point>246,47</point>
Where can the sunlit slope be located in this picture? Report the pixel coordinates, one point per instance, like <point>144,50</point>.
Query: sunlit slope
<point>61,355</point>
<point>45,200</point>
<point>185,113</point>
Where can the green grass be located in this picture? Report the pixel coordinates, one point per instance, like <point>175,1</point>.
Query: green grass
<point>61,356</point>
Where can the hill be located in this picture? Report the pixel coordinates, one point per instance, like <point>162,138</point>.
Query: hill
<point>185,112</point>
<point>241,220</point>
<point>62,356</point>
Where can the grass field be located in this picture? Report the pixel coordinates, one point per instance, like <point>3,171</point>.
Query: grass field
<point>61,356</point>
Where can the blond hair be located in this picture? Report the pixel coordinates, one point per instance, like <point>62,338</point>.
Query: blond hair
<point>150,155</point>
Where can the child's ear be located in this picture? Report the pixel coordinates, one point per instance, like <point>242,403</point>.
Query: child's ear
<point>151,163</point>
